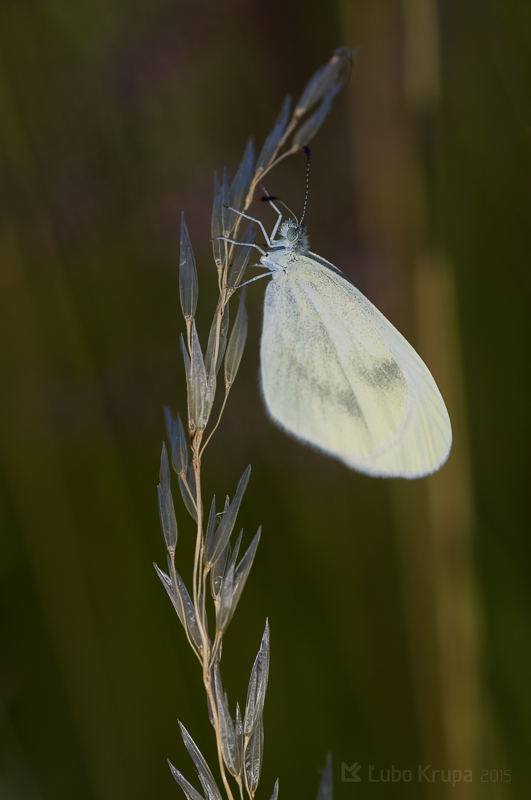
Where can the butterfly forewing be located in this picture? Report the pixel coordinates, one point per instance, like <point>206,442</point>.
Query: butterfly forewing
<point>337,374</point>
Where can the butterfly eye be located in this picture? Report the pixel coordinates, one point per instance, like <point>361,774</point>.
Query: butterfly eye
<point>292,234</point>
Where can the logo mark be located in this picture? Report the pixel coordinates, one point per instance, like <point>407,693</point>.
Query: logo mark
<point>350,774</point>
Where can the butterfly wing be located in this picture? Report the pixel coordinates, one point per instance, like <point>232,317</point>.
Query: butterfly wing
<point>338,375</point>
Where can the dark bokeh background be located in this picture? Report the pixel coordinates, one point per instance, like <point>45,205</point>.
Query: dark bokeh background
<point>400,612</point>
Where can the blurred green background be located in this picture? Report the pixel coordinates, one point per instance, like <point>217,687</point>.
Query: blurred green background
<point>400,611</point>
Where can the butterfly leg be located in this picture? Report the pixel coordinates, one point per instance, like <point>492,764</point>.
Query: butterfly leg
<point>252,280</point>
<point>279,220</point>
<point>243,244</point>
<point>252,219</point>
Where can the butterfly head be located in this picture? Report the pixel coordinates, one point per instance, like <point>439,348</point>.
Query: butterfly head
<point>294,235</point>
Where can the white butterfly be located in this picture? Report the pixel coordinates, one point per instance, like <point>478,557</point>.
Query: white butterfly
<point>336,373</point>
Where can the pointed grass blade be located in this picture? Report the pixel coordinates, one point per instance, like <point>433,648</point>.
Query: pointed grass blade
<point>218,247</point>
<point>229,748</point>
<point>219,541</point>
<point>199,388</point>
<point>271,143</point>
<point>236,344</point>
<point>178,593</point>
<point>188,287</point>
<point>242,180</point>
<point>242,572</point>
<point>188,789</point>
<point>168,520</point>
<point>205,775</point>
<point>257,686</point>
<point>228,217</point>
<point>233,582</point>
<point>327,77</point>
<point>217,340</point>
<point>241,259</point>
<point>254,754</point>
<point>308,130</point>
<point>179,452</point>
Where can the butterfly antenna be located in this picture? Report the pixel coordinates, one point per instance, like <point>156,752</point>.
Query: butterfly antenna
<point>308,156</point>
<point>269,198</point>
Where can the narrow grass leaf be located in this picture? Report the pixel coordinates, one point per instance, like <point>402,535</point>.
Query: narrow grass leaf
<point>179,452</point>
<point>180,599</point>
<point>188,287</point>
<point>228,217</point>
<point>202,605</point>
<point>307,131</point>
<point>228,599</point>
<point>186,357</point>
<point>164,472</point>
<point>217,340</point>
<point>205,776</point>
<point>325,77</point>
<point>242,572</point>
<point>178,440</point>
<point>218,570</point>
<point>242,180</point>
<point>188,496</point>
<point>224,610</point>
<point>236,549</point>
<point>168,520</point>
<point>192,400</point>
<point>314,89</point>
<point>188,789</point>
<point>326,785</point>
<point>210,713</point>
<point>254,753</point>
<point>187,616</point>
<point>190,477</point>
<point>221,539</point>
<point>211,523</point>
<point>176,601</point>
<point>236,343</point>
<point>212,519</point>
<point>197,391</point>
<point>257,686</point>
<point>218,246</point>
<point>271,143</point>
<point>241,259</point>
<point>170,426</point>
<point>209,399</point>
<point>227,732</point>
<point>238,732</point>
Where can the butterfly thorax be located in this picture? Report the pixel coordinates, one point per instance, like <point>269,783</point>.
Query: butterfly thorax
<point>292,242</point>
